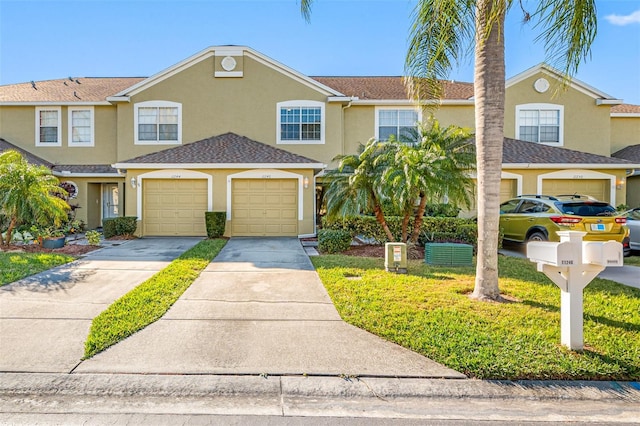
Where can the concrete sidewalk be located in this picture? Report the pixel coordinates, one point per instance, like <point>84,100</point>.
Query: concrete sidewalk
<point>45,318</point>
<point>259,309</point>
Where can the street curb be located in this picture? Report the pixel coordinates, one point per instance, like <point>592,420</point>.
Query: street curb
<point>118,385</point>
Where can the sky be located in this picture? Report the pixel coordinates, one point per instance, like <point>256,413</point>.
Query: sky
<point>42,40</point>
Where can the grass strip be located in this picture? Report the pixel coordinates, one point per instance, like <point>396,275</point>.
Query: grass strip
<point>149,301</point>
<point>632,260</point>
<point>16,266</point>
<point>428,311</point>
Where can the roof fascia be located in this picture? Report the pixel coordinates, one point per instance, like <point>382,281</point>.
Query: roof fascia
<point>569,166</point>
<point>408,102</point>
<point>48,103</point>
<point>71,174</point>
<point>601,97</point>
<point>219,166</point>
<point>626,114</point>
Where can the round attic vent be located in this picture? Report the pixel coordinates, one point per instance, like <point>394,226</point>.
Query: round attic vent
<point>541,85</point>
<point>228,63</point>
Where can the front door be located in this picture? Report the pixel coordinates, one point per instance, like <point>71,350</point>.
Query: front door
<point>110,201</point>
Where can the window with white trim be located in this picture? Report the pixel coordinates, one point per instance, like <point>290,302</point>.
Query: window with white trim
<point>300,122</point>
<point>81,132</point>
<point>158,122</point>
<point>542,123</point>
<point>402,123</point>
<point>48,126</point>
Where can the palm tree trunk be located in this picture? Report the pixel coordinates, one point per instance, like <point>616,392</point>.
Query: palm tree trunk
<point>12,225</point>
<point>489,82</point>
<point>377,211</point>
<point>419,219</point>
<point>405,227</point>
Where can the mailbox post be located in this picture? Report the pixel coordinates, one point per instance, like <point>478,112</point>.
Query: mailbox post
<point>572,264</point>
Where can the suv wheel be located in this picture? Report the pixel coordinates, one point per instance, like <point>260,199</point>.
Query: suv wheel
<point>537,236</point>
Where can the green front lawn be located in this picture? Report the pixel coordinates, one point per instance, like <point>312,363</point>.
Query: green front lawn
<point>15,266</point>
<point>632,260</point>
<point>149,301</point>
<point>429,311</point>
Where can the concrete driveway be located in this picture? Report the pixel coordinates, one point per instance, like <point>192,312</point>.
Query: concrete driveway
<point>45,319</point>
<point>259,308</point>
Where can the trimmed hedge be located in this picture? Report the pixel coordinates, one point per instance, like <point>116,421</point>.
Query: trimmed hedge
<point>215,223</point>
<point>125,225</point>
<point>434,229</point>
<point>334,240</point>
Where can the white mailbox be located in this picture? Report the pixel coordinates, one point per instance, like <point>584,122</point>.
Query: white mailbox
<point>571,264</point>
<point>602,253</point>
<point>556,254</point>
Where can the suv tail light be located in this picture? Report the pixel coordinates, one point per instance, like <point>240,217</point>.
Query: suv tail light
<point>621,220</point>
<point>562,220</point>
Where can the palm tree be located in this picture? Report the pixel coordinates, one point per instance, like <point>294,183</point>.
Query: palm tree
<point>28,193</point>
<point>441,35</point>
<point>356,186</point>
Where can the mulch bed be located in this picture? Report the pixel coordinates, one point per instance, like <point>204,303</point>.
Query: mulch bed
<point>415,253</point>
<point>69,249</point>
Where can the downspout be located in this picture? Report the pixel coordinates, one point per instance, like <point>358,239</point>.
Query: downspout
<point>343,126</point>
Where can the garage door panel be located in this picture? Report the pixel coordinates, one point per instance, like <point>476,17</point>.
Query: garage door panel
<point>174,206</point>
<point>508,189</point>
<point>264,207</point>
<point>597,188</point>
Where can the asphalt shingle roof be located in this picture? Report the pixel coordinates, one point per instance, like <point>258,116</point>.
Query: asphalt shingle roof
<point>630,153</point>
<point>227,148</point>
<point>32,159</point>
<point>519,152</point>
<point>626,109</point>
<point>388,87</point>
<point>81,89</point>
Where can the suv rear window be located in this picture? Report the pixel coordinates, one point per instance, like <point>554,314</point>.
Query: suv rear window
<point>587,209</point>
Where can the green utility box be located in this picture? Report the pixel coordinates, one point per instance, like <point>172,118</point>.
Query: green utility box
<point>450,254</point>
<point>395,257</point>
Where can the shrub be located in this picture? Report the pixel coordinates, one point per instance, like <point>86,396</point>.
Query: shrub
<point>93,237</point>
<point>125,225</point>
<point>441,210</point>
<point>333,240</point>
<point>367,226</point>
<point>215,223</point>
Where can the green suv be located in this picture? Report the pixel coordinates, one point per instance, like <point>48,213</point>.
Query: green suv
<point>540,217</point>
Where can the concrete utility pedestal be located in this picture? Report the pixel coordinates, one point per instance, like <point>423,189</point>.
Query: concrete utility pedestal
<point>572,264</point>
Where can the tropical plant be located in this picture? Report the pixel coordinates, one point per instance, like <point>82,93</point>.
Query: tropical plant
<point>28,194</point>
<point>93,237</point>
<point>430,165</point>
<point>356,186</point>
<point>441,35</point>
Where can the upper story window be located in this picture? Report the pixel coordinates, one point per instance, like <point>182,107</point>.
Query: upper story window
<point>541,123</point>
<point>48,126</point>
<point>300,122</point>
<point>158,122</point>
<point>81,132</point>
<point>402,123</point>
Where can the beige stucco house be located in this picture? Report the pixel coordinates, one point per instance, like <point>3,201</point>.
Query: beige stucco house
<point>230,129</point>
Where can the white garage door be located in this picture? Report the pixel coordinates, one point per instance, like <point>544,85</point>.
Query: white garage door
<point>264,207</point>
<point>597,188</point>
<point>174,207</point>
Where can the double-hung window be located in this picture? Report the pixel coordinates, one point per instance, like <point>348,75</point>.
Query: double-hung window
<point>400,122</point>
<point>542,123</point>
<point>300,122</point>
<point>48,126</point>
<point>158,122</point>
<point>81,131</point>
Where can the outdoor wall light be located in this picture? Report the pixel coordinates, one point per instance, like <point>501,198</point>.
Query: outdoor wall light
<point>133,183</point>
<point>619,184</point>
<point>305,182</point>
